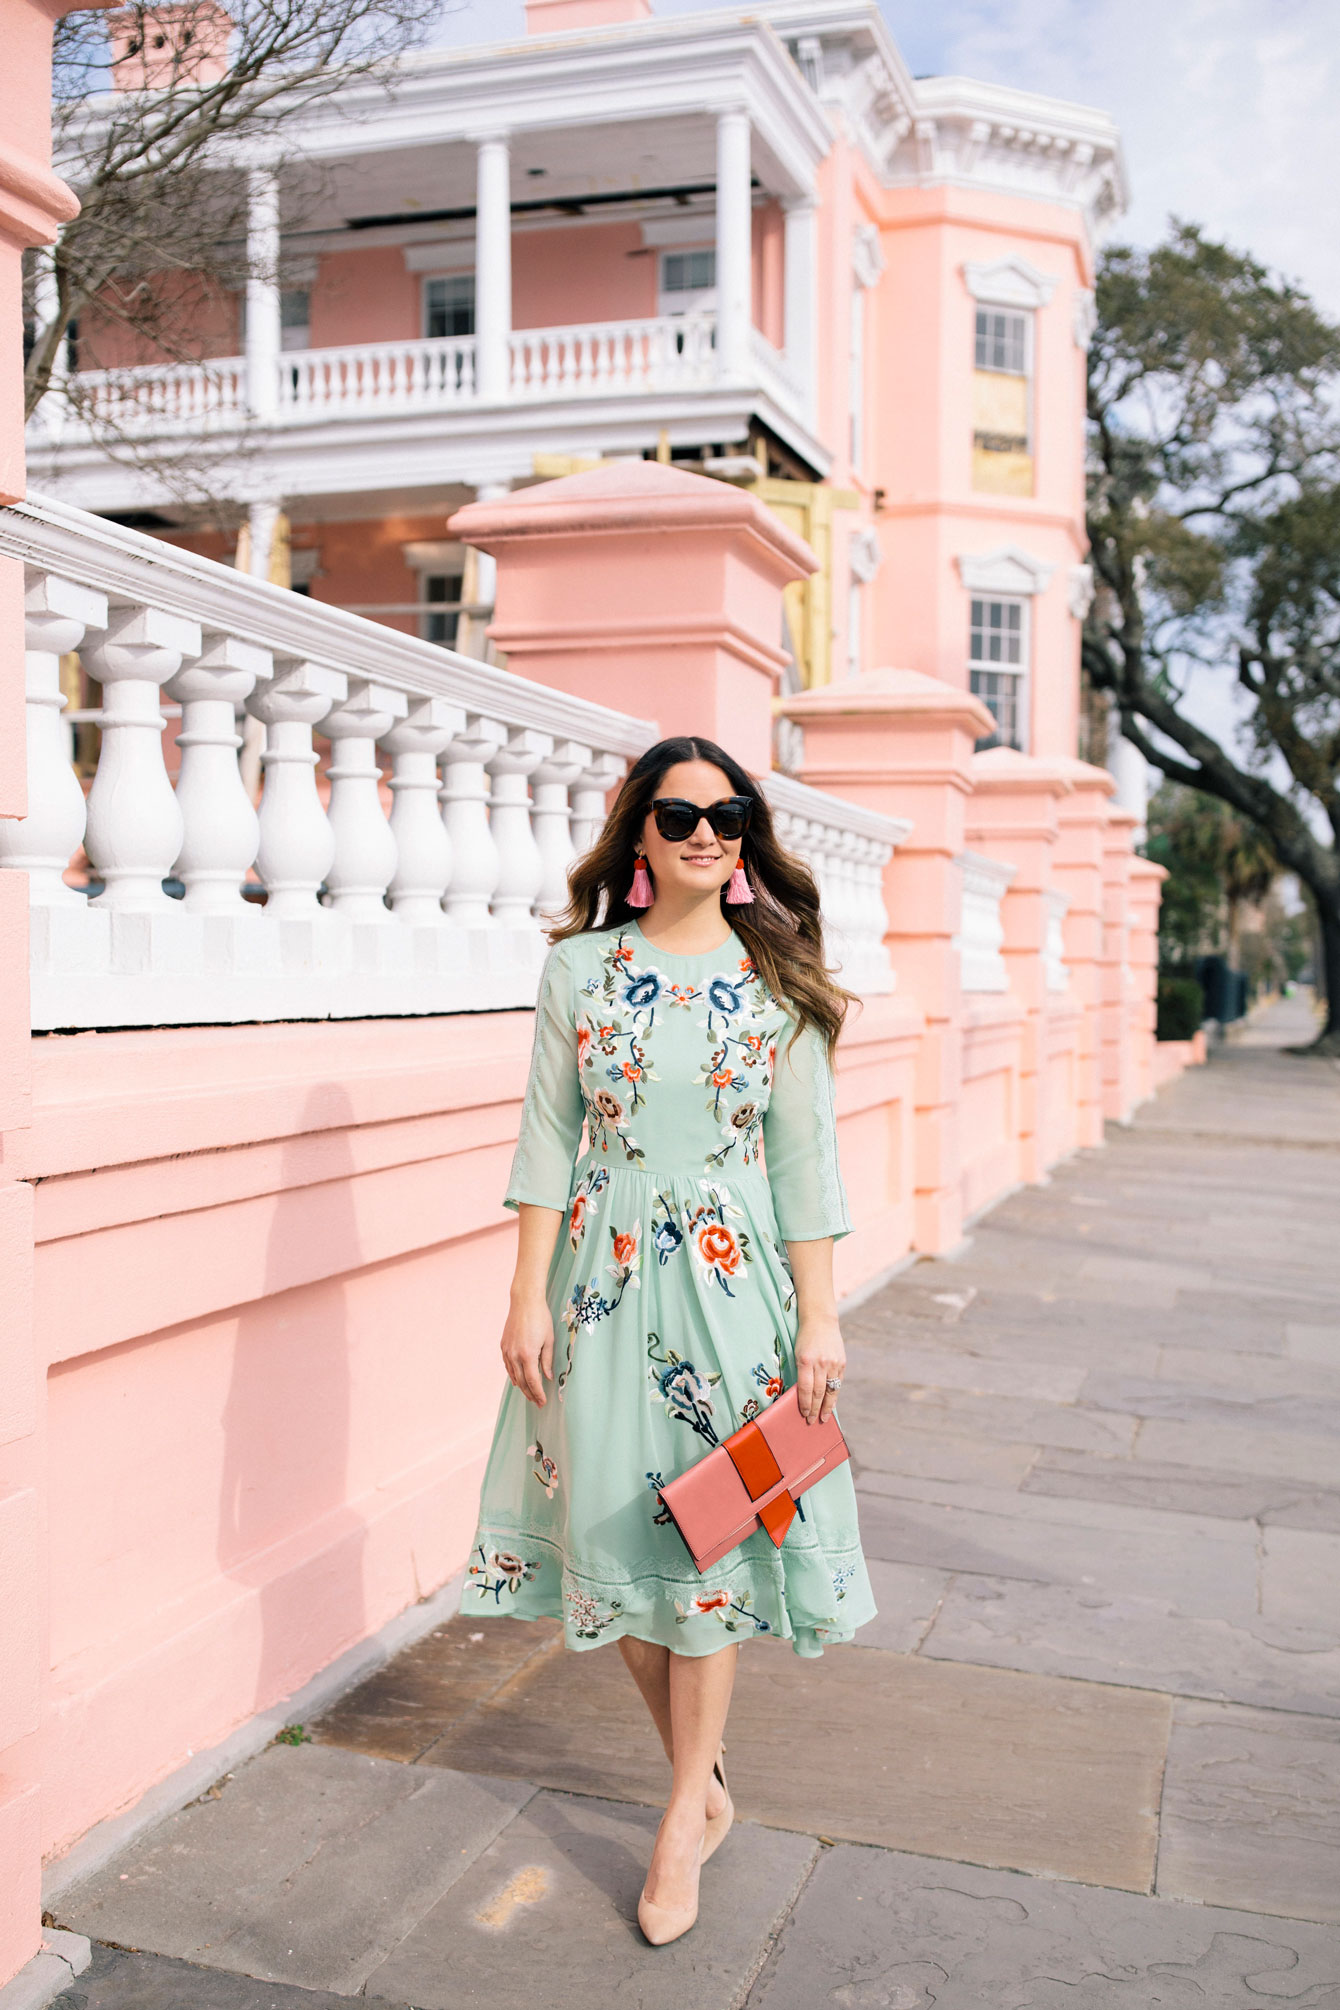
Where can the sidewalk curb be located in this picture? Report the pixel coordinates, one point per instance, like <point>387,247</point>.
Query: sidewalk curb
<point>102,1842</point>
<point>48,1974</point>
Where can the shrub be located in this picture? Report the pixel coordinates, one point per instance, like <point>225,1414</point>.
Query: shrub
<point>1181,1004</point>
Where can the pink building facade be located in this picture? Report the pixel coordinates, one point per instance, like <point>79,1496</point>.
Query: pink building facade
<point>255,1263</point>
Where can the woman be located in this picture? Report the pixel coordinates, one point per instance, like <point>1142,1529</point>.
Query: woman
<point>668,1287</point>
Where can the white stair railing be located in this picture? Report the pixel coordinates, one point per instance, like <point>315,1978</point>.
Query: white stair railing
<point>370,899</point>
<point>847,849</point>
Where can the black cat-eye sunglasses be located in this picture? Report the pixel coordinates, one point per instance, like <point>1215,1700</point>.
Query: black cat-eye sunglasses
<point>677,818</point>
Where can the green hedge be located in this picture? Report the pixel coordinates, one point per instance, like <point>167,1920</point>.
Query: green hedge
<point>1181,1008</point>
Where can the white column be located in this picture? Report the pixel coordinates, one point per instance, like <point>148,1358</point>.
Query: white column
<point>263,330</point>
<point>134,823</point>
<point>798,287</point>
<point>423,848</point>
<point>475,865</point>
<point>551,821</point>
<point>734,261</point>
<point>1130,770</point>
<point>56,614</point>
<point>221,831</point>
<point>521,868</point>
<point>365,856</point>
<point>493,269</point>
<point>297,842</point>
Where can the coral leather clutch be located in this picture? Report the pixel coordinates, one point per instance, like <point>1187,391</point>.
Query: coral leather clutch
<point>752,1480</point>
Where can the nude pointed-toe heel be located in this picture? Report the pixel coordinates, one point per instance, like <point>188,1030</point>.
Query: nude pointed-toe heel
<point>663,1923</point>
<point>718,1826</point>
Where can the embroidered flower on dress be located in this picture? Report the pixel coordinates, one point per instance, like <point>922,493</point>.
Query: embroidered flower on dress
<point>546,1470</point>
<point>502,1571</point>
<point>842,1577</point>
<point>734,1613</point>
<point>588,1621</point>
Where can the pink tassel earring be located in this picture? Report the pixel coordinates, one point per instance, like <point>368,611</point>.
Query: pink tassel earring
<point>738,890</point>
<point>640,893</point>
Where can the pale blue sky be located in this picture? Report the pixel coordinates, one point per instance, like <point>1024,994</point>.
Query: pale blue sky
<point>1227,107</point>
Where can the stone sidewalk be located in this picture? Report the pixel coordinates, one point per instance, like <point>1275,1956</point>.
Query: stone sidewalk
<point>1087,1758</point>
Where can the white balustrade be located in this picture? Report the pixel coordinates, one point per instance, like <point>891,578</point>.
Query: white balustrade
<point>1056,970</point>
<point>457,897</point>
<point>297,843</point>
<point>220,829</point>
<point>520,867</point>
<point>981,934</point>
<point>134,820</point>
<point>365,849</point>
<point>57,613</point>
<point>847,848</point>
<point>657,355</point>
<point>423,848</point>
<point>475,865</point>
<point>551,820</point>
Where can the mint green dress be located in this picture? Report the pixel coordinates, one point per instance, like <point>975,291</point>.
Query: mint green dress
<point>673,1306</point>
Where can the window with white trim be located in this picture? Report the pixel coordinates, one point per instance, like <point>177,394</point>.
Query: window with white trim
<point>1002,341</point>
<point>440,595</point>
<point>688,281</point>
<point>449,305</point>
<point>998,666</point>
<point>1002,401</point>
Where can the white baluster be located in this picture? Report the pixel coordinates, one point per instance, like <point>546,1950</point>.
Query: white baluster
<point>365,849</point>
<point>297,842</point>
<point>588,799</point>
<point>475,864</point>
<point>221,831</point>
<point>134,824</point>
<point>56,614</point>
<point>423,848</point>
<point>551,822</point>
<point>522,867</point>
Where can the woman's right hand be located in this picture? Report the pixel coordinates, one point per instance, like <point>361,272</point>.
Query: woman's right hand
<point>528,1346</point>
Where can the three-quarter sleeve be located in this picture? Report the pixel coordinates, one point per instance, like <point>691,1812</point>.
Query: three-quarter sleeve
<point>800,1142</point>
<point>551,1116</point>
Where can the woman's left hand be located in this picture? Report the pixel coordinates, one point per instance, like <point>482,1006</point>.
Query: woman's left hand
<point>820,1356</point>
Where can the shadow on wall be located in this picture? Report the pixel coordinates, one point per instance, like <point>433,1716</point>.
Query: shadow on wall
<point>285,1526</point>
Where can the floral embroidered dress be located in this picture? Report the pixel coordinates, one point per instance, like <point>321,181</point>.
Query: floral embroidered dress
<point>673,1306</point>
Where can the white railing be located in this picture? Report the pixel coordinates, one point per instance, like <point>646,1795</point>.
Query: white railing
<point>377,376</point>
<point>847,849</point>
<point>494,783</point>
<point>434,373</point>
<point>155,397</point>
<point>672,353</point>
<point>356,894</point>
<point>981,935</point>
<point>1056,972</point>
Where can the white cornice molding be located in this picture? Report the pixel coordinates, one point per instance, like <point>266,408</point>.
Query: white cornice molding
<point>448,255</point>
<point>1009,282</point>
<point>864,556</point>
<point>867,255</point>
<point>987,136</point>
<point>665,232</point>
<point>1007,569</point>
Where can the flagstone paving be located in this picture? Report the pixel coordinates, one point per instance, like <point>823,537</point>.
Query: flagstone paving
<point>1087,1758</point>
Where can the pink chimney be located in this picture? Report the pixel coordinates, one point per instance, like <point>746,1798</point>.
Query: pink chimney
<point>183,42</point>
<point>545,17</point>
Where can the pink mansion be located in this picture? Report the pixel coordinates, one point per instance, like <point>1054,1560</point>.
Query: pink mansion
<point>746,241</point>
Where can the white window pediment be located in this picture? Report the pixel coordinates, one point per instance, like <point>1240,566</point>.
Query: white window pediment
<point>867,255</point>
<point>1007,569</point>
<point>457,255</point>
<point>1010,282</point>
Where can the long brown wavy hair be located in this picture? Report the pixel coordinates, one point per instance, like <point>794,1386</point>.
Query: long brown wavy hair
<point>782,928</point>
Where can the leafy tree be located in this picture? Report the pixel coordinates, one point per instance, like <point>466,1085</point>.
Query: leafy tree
<point>1217,863</point>
<point>160,172</point>
<point>1214,518</point>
